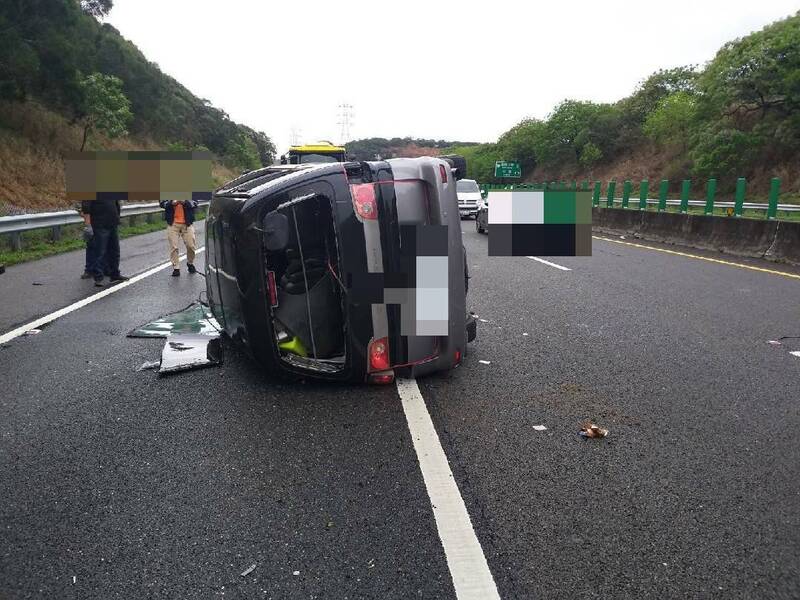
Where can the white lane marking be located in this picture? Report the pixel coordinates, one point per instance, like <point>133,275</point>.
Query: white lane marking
<point>14,333</point>
<point>465,559</point>
<point>795,353</point>
<point>548,263</point>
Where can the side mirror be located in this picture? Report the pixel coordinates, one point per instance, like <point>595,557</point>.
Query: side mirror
<point>276,231</point>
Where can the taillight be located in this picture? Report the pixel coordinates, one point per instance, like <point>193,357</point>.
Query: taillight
<point>273,289</point>
<point>364,201</point>
<point>457,357</point>
<point>379,354</point>
<point>443,173</point>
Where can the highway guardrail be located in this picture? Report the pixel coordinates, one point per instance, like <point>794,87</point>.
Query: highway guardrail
<point>735,208</point>
<point>15,225</point>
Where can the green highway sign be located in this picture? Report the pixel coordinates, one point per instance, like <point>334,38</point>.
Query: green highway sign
<point>506,168</point>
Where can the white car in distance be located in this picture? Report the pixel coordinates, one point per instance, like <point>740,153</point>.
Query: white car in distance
<point>469,195</point>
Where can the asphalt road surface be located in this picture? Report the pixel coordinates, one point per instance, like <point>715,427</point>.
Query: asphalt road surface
<point>117,483</point>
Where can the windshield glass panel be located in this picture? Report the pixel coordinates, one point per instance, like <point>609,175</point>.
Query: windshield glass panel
<point>318,158</point>
<point>466,186</point>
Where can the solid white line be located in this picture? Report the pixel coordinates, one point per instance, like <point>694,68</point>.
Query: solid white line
<point>465,559</point>
<point>14,333</point>
<point>547,262</point>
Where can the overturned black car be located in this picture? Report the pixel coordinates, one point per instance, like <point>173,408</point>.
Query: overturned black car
<point>342,271</point>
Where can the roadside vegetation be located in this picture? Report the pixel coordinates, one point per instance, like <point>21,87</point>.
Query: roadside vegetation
<point>382,148</point>
<point>737,116</point>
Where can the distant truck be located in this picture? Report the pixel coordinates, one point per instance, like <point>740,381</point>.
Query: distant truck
<point>321,152</point>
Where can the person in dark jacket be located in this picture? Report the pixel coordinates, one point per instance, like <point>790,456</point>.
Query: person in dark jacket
<point>101,218</point>
<point>179,215</point>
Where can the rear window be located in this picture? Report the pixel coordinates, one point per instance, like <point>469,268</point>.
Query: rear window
<point>467,186</point>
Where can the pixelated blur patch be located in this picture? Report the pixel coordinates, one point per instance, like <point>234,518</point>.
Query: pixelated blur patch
<point>138,176</point>
<point>419,287</point>
<point>540,223</point>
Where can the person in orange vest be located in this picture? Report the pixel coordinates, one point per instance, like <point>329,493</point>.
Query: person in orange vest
<point>179,215</point>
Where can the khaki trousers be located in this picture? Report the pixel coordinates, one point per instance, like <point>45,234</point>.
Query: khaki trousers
<point>177,232</point>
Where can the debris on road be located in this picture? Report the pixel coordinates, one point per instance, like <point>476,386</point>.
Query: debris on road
<point>485,362</point>
<point>195,318</point>
<point>33,331</point>
<point>590,430</point>
<point>248,570</point>
<point>540,428</point>
<point>774,342</point>
<point>483,320</point>
<point>192,339</point>
<point>184,351</point>
<point>295,573</point>
<point>525,334</point>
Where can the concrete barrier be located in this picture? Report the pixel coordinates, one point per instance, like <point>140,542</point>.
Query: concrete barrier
<point>773,240</point>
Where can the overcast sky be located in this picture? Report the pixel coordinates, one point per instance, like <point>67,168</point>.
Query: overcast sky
<point>446,70</point>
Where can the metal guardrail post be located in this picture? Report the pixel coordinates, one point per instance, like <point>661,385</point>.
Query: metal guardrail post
<point>644,189</point>
<point>774,192</point>
<point>55,232</point>
<point>596,194</point>
<point>16,240</point>
<point>610,195</point>
<point>712,191</point>
<point>626,193</point>
<point>738,206</point>
<point>663,189</point>
<point>687,183</point>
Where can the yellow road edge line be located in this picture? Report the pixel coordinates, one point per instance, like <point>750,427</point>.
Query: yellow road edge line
<point>687,255</point>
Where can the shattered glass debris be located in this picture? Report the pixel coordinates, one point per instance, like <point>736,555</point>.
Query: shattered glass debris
<point>192,339</point>
<point>195,318</point>
<point>150,364</point>
<point>184,351</point>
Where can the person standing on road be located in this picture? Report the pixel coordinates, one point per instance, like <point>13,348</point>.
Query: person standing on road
<point>179,215</point>
<point>101,219</point>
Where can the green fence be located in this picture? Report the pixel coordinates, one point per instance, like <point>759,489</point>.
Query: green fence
<point>708,206</point>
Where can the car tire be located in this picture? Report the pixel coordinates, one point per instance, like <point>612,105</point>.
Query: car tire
<point>478,227</point>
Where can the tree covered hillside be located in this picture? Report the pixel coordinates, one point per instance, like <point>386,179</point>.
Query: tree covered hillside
<point>379,148</point>
<point>739,115</point>
<point>59,64</point>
